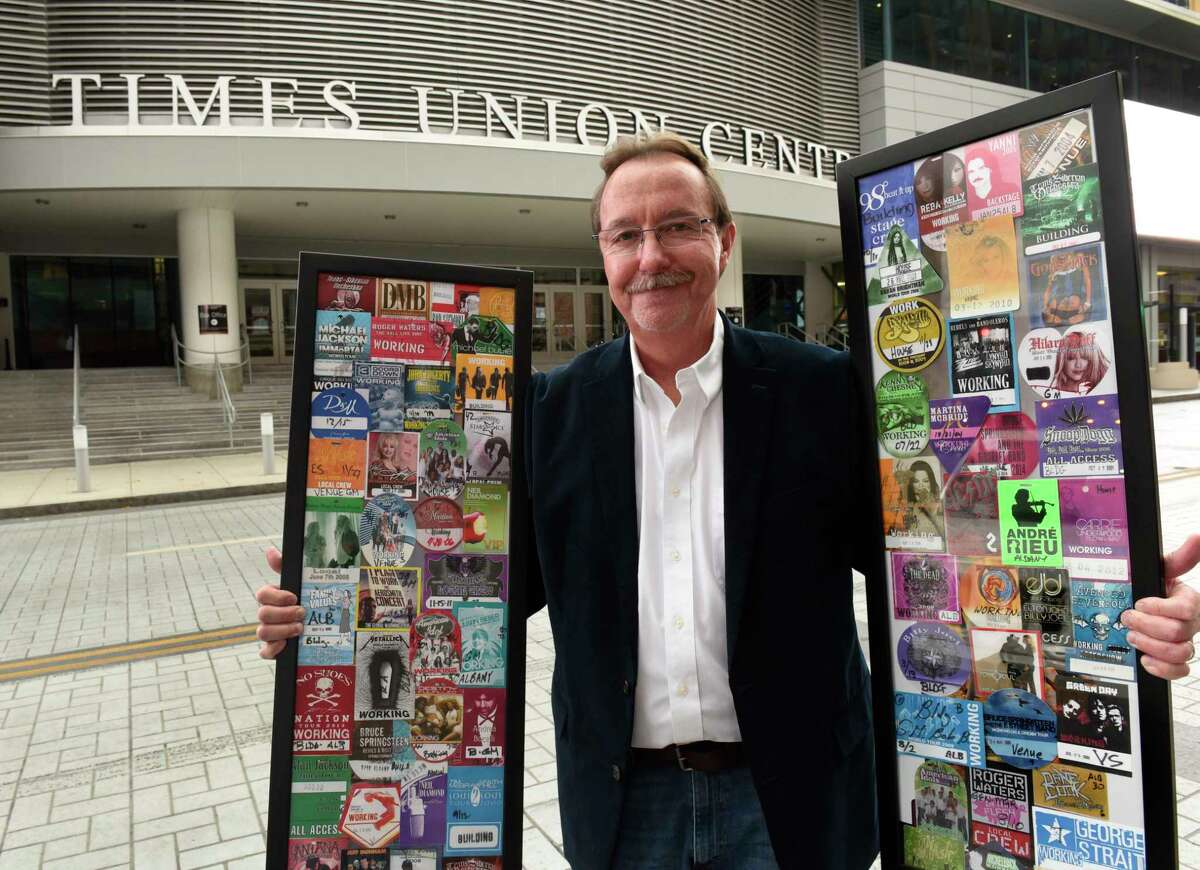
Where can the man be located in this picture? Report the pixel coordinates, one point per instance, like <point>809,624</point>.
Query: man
<point>693,513</point>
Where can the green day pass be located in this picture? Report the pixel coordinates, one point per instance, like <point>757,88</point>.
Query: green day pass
<point>948,729</point>
<point>1030,527</point>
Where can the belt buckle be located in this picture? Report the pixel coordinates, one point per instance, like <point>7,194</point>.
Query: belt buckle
<point>683,762</point>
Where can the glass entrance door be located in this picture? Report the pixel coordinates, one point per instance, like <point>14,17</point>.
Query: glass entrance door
<point>269,313</point>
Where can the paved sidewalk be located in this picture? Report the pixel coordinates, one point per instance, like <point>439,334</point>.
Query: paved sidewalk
<point>164,763</point>
<point>138,481</point>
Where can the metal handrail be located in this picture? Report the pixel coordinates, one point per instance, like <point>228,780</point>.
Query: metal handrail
<point>242,350</point>
<point>76,376</point>
<point>228,411</point>
<point>791,330</point>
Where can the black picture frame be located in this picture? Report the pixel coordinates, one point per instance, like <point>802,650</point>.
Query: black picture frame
<point>1103,95</point>
<point>521,281</point>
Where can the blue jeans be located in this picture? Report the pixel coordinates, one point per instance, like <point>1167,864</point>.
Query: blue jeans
<point>672,820</point>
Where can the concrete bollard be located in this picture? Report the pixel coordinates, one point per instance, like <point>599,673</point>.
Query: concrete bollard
<point>266,423</point>
<point>83,471</point>
<point>1183,335</point>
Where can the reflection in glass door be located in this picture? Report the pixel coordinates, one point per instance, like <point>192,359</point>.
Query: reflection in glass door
<point>287,296</point>
<point>259,319</point>
<point>269,314</point>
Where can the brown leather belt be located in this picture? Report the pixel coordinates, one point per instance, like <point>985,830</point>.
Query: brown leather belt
<point>705,756</point>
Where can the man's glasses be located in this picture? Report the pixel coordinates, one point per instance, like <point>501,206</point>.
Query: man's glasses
<point>671,233</point>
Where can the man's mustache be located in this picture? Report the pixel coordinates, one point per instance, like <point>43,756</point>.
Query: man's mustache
<point>643,282</point>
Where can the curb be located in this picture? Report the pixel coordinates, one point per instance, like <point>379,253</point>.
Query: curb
<point>156,498</point>
<point>1186,397</point>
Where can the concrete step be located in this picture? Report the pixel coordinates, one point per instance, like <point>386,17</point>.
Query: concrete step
<point>133,414</point>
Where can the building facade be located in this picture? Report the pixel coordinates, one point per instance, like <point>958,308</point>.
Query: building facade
<point>929,63</point>
<point>156,158</point>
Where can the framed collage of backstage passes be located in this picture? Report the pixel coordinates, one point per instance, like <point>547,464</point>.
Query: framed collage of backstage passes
<point>997,332</point>
<point>399,712</point>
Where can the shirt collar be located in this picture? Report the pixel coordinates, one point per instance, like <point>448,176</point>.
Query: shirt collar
<point>707,370</point>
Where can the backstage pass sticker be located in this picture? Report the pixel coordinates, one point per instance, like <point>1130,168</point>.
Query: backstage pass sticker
<point>1007,446</point>
<point>1020,728</point>
<point>340,413</point>
<point>439,524</point>
<point>910,334</point>
<point>902,413</point>
<point>948,729</point>
<point>1080,437</point>
<point>935,656</point>
<point>1066,365</point>
<point>901,270</point>
<point>925,587</point>
<point>953,426</point>
<point>1072,842</point>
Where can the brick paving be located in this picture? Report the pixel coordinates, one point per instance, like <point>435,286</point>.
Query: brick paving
<point>164,763</point>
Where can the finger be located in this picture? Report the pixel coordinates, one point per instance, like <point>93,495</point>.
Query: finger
<point>271,649</point>
<point>1165,670</point>
<point>279,632</point>
<point>1177,653</point>
<point>1184,559</point>
<point>275,560</point>
<point>280,615</point>
<point>274,596</point>
<point>1157,627</point>
<point>1182,604</point>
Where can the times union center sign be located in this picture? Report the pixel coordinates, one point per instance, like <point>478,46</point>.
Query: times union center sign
<point>505,118</point>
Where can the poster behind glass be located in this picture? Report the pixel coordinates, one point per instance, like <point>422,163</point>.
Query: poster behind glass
<point>399,744</point>
<point>1003,500</point>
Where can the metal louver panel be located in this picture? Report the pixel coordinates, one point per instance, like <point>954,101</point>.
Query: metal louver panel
<point>24,66</point>
<point>780,66</point>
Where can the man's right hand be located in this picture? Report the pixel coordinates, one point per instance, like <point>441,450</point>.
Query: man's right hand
<point>278,616</point>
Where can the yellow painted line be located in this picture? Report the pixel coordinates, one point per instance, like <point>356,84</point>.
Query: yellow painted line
<point>126,652</point>
<point>137,645</point>
<point>206,545</point>
<point>1178,475</point>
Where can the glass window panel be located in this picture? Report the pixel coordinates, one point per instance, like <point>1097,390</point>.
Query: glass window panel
<point>594,335</point>
<point>553,275</point>
<point>619,326</point>
<point>92,308</point>
<point>870,19</point>
<point>289,320</point>
<point>258,321</point>
<point>48,307</point>
<point>564,308</point>
<point>564,322</point>
<point>593,277</point>
<point>593,309</point>
<point>537,338</point>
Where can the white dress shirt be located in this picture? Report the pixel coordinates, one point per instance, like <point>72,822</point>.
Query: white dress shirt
<point>682,692</point>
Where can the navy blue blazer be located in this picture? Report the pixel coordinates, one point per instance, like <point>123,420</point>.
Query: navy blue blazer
<point>797,513</point>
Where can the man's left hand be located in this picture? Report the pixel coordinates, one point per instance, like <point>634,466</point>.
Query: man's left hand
<point>1163,629</point>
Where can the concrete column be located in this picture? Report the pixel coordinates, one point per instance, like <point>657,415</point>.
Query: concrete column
<point>8,339</point>
<point>818,300</point>
<point>208,276</point>
<point>729,288</point>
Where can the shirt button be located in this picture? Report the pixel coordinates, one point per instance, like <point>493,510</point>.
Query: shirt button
<point>682,690</point>
<point>679,622</point>
<point>675,492</point>
<point>675,556</point>
<point>616,773</point>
